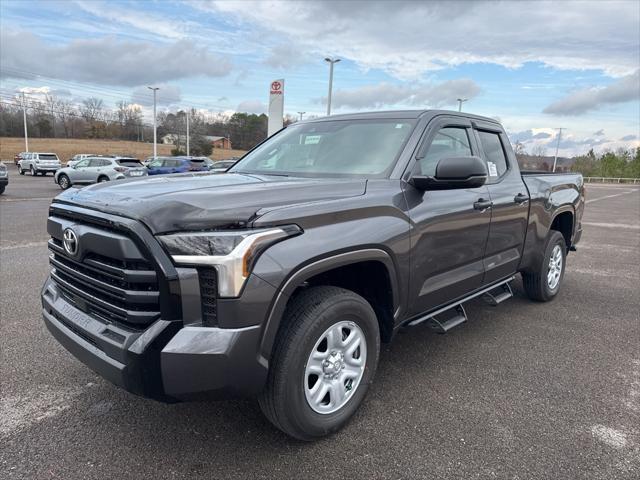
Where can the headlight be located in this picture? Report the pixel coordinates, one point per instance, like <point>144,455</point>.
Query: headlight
<point>232,253</point>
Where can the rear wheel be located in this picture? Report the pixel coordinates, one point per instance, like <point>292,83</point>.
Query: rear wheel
<point>324,360</point>
<point>543,284</point>
<point>1,189</point>
<point>103,179</point>
<point>63,181</point>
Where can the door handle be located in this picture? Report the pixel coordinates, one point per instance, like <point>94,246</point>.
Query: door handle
<point>520,198</point>
<point>482,204</point>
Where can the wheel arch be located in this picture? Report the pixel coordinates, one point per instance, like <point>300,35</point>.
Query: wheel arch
<point>563,221</point>
<point>329,268</point>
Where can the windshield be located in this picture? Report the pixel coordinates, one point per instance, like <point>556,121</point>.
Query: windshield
<point>332,148</point>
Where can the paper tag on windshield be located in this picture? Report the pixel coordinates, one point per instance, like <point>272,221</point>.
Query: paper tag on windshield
<point>493,171</point>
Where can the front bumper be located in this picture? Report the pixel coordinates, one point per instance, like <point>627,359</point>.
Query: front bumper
<point>166,361</point>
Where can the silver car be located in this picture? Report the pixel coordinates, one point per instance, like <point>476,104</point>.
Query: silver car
<point>36,162</point>
<point>99,169</point>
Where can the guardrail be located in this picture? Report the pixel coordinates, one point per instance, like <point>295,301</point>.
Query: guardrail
<point>611,180</point>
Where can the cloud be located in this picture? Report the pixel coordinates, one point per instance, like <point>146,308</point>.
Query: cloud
<point>167,95</point>
<point>626,89</point>
<point>599,133</point>
<point>141,20</point>
<point>252,106</point>
<point>527,136</point>
<point>107,60</point>
<point>408,38</point>
<point>629,138</point>
<point>386,94</point>
<point>284,56</point>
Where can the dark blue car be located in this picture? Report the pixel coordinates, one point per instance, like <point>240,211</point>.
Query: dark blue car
<point>164,165</point>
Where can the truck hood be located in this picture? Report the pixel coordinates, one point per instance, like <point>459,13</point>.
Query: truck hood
<point>201,201</point>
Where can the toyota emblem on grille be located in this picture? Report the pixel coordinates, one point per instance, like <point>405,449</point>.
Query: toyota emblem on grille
<point>70,241</point>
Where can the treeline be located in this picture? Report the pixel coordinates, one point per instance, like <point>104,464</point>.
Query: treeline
<point>621,163</point>
<point>53,117</point>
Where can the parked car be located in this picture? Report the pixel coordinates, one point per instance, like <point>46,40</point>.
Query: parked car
<point>222,166</point>
<point>99,169</point>
<point>80,156</point>
<point>39,163</point>
<point>17,157</point>
<point>282,277</point>
<point>165,165</point>
<point>4,177</point>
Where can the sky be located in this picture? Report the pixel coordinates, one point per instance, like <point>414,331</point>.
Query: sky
<point>535,66</point>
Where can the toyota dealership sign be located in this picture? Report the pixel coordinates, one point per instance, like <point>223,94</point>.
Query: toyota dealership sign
<point>276,106</point>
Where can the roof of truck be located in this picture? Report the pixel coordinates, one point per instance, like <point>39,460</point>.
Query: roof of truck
<point>409,114</point>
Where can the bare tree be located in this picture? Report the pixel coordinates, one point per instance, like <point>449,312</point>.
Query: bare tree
<point>92,109</point>
<point>539,151</point>
<point>65,112</point>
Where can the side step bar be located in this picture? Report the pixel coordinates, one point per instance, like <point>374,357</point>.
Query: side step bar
<point>498,295</point>
<point>461,316</point>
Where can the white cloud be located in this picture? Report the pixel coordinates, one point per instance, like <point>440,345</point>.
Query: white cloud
<point>386,94</point>
<point>107,60</point>
<point>409,38</point>
<point>251,106</point>
<point>141,20</point>
<point>166,95</point>
<point>625,89</point>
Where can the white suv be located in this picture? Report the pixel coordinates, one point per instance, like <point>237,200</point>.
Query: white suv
<point>39,163</point>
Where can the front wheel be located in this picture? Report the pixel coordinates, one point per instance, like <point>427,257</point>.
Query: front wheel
<point>20,170</point>
<point>543,284</point>
<point>33,171</point>
<point>64,182</point>
<point>325,357</point>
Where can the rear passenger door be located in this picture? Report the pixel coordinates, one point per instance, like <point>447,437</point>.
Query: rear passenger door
<point>510,205</point>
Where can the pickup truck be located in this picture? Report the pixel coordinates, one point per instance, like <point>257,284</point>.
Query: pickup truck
<point>281,278</point>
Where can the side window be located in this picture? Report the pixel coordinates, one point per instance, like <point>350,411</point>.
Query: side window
<point>105,163</point>
<point>95,162</point>
<point>493,153</point>
<point>448,142</point>
<point>82,163</point>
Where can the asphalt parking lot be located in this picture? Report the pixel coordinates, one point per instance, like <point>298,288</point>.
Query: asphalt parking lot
<point>524,390</point>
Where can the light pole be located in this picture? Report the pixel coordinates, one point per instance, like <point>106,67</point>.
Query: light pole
<point>555,158</point>
<point>331,62</point>
<point>301,114</point>
<point>24,118</point>
<point>460,102</point>
<point>155,130</point>
<point>187,132</point>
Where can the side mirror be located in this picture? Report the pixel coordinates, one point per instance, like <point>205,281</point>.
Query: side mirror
<point>453,172</point>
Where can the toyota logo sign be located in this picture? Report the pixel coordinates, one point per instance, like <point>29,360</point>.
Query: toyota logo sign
<point>70,241</point>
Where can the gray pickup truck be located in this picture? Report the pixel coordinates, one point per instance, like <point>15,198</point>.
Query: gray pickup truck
<point>280,278</point>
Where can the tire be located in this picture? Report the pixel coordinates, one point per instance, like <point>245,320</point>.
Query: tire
<point>306,323</point>
<point>2,190</point>
<point>20,170</point>
<point>102,179</point>
<point>63,181</point>
<point>33,171</point>
<point>540,285</point>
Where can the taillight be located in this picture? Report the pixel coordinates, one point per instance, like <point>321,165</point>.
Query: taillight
<point>120,169</point>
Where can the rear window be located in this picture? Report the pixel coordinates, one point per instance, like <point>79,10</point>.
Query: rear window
<point>47,157</point>
<point>195,162</point>
<point>129,162</point>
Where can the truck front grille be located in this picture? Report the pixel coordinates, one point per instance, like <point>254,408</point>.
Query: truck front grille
<point>113,289</point>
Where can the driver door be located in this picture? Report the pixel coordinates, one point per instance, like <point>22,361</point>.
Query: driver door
<point>449,227</point>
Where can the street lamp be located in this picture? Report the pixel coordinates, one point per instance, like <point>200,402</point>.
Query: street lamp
<point>331,62</point>
<point>155,130</point>
<point>460,102</point>
<point>301,114</point>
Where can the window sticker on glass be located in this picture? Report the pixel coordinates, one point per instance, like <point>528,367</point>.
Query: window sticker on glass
<point>493,171</point>
<point>311,139</point>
